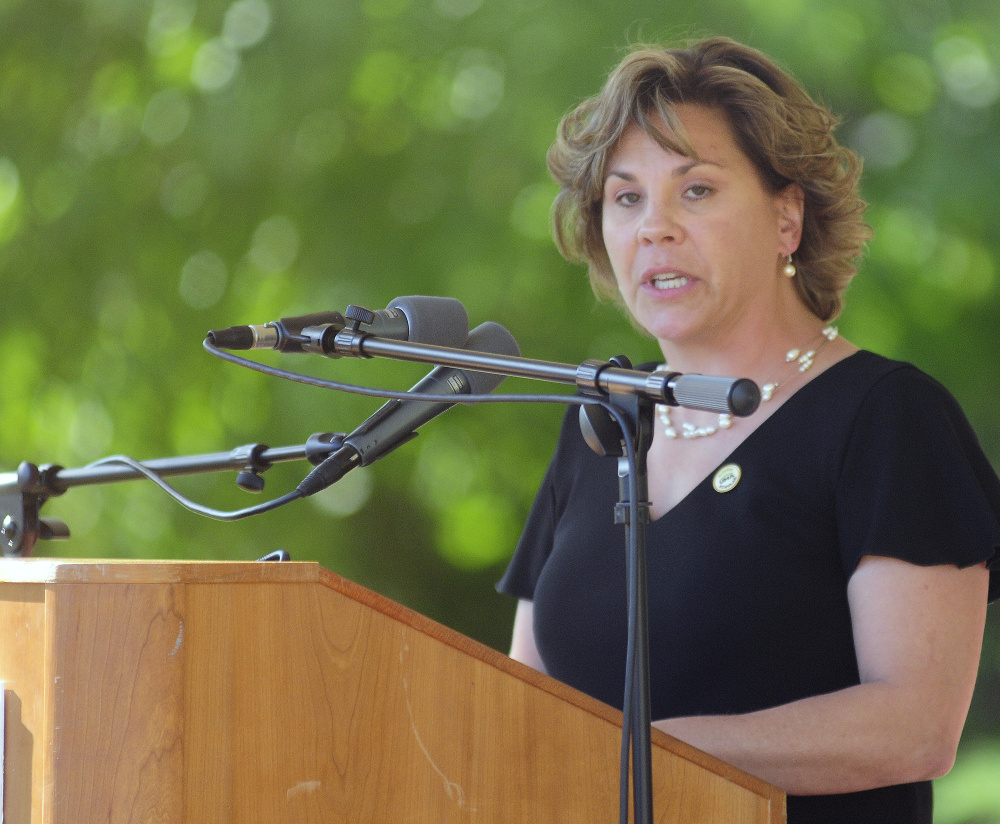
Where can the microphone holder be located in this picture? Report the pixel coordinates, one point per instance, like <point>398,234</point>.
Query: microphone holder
<point>23,492</point>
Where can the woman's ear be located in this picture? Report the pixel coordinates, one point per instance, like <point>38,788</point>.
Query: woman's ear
<point>790,207</point>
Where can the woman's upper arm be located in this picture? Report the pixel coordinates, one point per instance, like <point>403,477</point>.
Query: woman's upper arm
<point>920,629</point>
<point>522,647</point>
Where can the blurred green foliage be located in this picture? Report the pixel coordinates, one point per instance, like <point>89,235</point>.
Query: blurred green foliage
<point>171,166</point>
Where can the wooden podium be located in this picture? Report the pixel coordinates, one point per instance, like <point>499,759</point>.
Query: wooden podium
<point>231,693</point>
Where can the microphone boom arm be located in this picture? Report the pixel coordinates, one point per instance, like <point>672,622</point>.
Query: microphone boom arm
<point>737,396</point>
<point>23,492</point>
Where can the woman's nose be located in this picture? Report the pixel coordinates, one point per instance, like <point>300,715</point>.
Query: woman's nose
<point>659,225</point>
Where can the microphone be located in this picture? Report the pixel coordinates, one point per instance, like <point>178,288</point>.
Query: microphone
<point>396,422</point>
<point>418,318</point>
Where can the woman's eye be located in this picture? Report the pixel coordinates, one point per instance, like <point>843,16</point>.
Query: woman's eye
<point>697,191</point>
<point>627,199</point>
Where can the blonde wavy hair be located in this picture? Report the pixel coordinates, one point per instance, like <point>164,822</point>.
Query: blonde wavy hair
<point>784,133</point>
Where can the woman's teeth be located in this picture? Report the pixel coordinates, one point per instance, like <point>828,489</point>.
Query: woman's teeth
<point>668,282</point>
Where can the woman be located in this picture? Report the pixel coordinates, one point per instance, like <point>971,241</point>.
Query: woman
<point>818,572</point>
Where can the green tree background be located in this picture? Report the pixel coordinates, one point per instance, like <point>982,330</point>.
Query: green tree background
<point>171,166</point>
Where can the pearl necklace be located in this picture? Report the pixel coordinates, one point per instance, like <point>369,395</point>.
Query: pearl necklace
<point>803,359</point>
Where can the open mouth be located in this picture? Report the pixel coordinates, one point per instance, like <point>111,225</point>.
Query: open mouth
<point>665,282</point>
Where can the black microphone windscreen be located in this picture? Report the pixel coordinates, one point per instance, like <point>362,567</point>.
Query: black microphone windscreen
<point>497,340</point>
<point>434,320</point>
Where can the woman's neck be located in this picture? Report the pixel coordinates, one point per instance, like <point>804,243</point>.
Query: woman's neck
<point>753,351</point>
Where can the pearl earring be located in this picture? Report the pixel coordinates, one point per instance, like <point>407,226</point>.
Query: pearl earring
<point>789,270</point>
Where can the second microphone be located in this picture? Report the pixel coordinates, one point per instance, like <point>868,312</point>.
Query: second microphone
<point>397,421</point>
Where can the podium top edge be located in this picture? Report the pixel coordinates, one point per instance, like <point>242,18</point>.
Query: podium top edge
<point>117,571</point>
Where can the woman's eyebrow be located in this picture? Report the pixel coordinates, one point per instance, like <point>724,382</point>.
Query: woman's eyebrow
<point>623,175</point>
<point>680,171</point>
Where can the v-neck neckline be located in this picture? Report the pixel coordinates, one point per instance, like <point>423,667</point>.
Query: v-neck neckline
<point>774,419</point>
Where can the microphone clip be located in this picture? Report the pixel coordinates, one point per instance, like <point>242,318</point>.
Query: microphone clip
<point>350,341</point>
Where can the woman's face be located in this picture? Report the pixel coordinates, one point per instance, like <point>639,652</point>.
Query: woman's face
<point>697,247</point>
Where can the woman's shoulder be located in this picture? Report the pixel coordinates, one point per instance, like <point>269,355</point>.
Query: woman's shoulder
<point>865,368</point>
<point>865,378</point>
<point>874,404</point>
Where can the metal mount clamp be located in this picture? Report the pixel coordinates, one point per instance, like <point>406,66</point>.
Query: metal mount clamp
<point>20,522</point>
<point>249,478</point>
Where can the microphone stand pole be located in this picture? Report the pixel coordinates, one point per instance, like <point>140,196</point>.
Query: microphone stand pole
<point>603,432</point>
<point>633,511</point>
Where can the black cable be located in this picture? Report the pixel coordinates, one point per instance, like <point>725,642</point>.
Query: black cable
<point>199,509</point>
<point>390,394</point>
<point>267,506</point>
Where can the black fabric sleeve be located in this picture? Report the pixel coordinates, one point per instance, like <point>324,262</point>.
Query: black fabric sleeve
<point>914,482</point>
<point>536,540</point>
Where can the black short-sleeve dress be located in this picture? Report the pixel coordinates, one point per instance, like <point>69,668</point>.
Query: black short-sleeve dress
<point>748,586</point>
